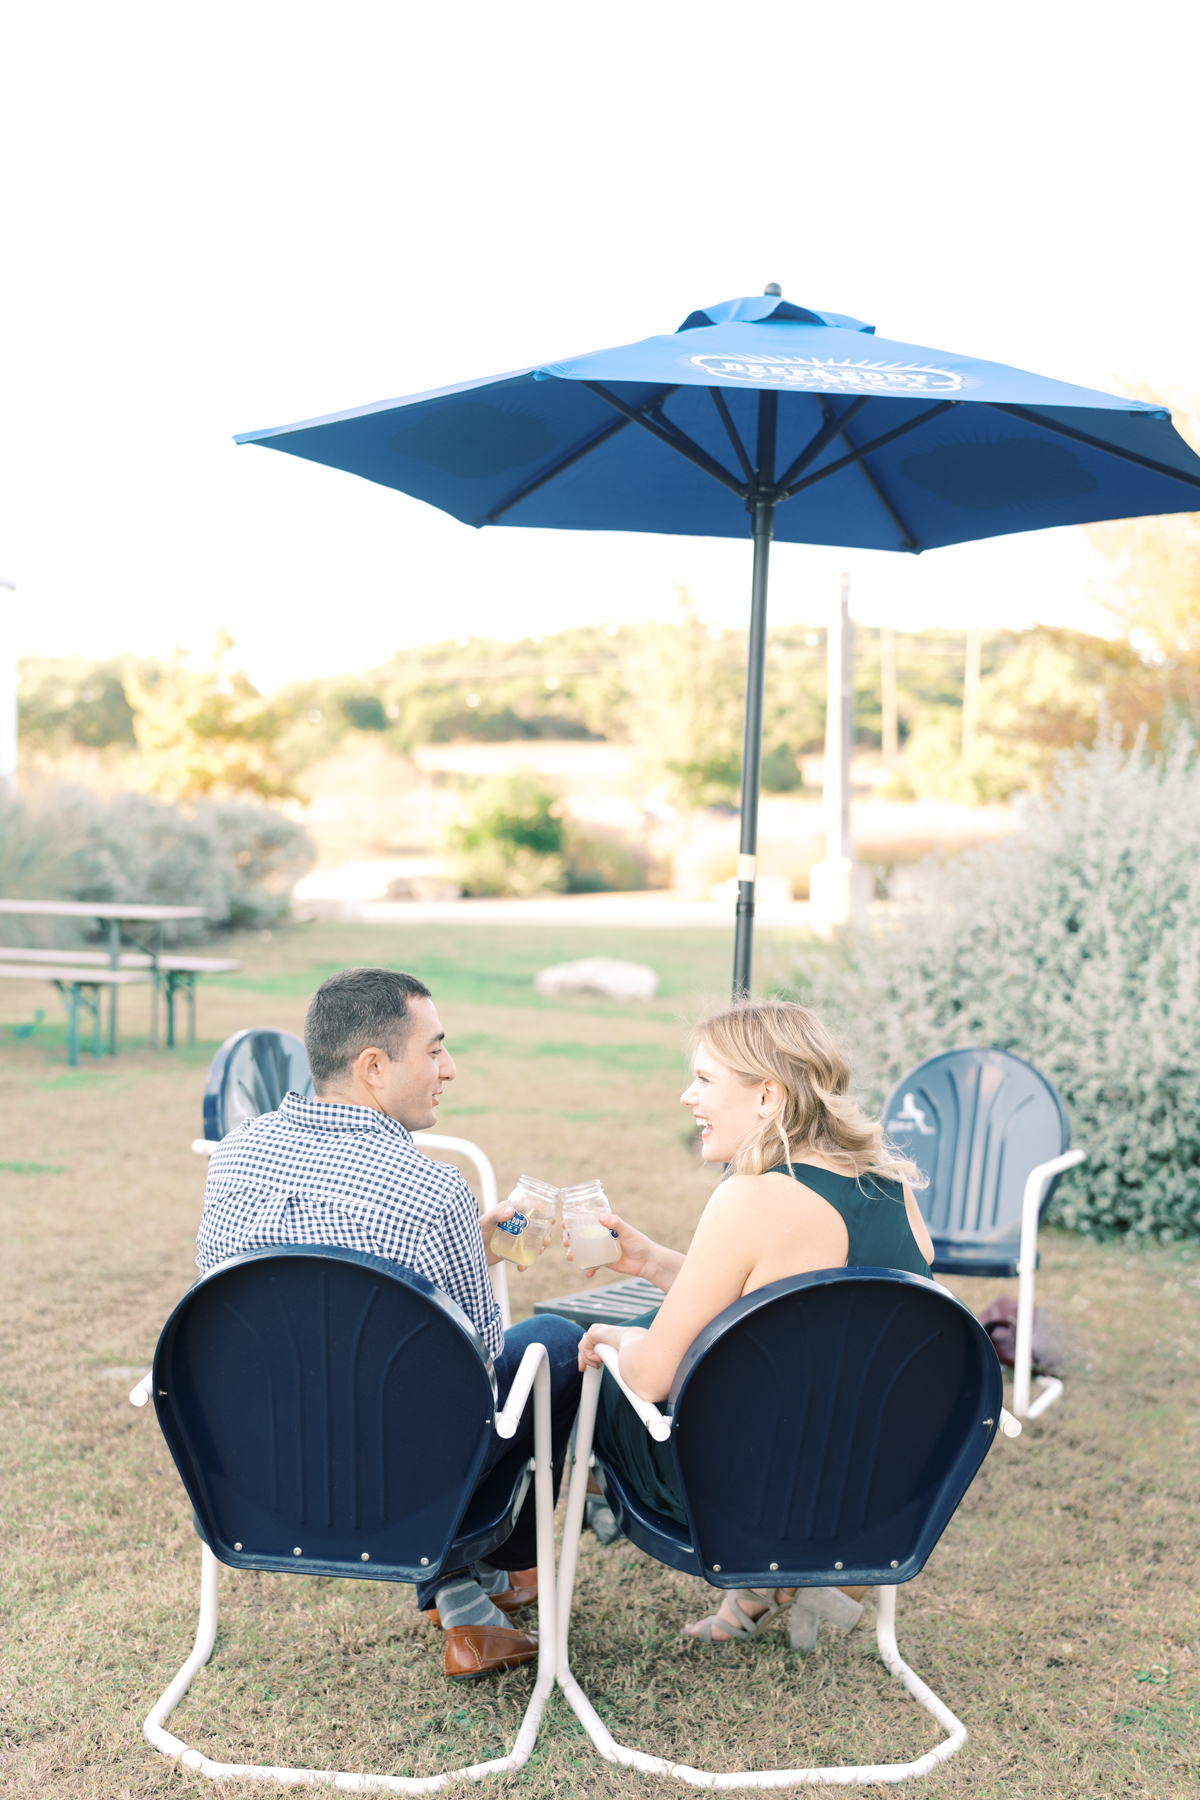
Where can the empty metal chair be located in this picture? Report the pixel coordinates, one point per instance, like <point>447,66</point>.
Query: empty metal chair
<point>862,1402</point>
<point>249,1075</point>
<point>329,1413</point>
<point>991,1134</point>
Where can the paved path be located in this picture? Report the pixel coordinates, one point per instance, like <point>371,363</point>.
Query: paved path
<point>665,910</point>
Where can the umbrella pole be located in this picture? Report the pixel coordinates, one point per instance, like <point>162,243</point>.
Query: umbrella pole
<point>756,663</point>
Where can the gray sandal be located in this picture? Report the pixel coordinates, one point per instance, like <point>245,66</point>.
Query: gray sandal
<point>746,1627</point>
<point>811,1606</point>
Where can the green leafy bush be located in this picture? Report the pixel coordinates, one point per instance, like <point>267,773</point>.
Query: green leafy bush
<point>1077,945</point>
<point>516,840</point>
<point>603,861</point>
<point>239,860</point>
<point>513,838</point>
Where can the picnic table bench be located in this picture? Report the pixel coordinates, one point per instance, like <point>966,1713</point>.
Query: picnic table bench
<point>82,975</point>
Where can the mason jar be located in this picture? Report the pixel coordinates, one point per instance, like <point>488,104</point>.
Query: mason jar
<point>592,1245</point>
<point>522,1238</point>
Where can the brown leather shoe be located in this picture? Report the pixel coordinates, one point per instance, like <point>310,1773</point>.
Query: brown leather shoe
<point>474,1650</point>
<point>522,1593</point>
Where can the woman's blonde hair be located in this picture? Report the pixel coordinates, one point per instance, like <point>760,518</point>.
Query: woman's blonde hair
<point>778,1040</point>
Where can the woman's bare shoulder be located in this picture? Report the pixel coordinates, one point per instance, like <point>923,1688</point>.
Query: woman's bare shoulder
<point>751,1190</point>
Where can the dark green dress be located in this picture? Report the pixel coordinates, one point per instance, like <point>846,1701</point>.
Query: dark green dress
<point>876,1221</point>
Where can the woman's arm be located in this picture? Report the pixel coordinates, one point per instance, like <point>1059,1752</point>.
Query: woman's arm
<point>710,1278</point>
<point>749,1221</point>
<point>917,1225</point>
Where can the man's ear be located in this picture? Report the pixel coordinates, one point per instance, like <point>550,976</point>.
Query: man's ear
<point>368,1065</point>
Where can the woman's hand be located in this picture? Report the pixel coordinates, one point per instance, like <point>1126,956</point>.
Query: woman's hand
<point>640,1255</point>
<point>589,1357</point>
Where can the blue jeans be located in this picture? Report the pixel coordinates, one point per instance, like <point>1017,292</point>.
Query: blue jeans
<point>561,1338</point>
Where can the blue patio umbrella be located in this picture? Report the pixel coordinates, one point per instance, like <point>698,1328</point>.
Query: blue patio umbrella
<point>760,418</point>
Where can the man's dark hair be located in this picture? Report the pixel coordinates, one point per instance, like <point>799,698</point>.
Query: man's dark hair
<point>353,1010</point>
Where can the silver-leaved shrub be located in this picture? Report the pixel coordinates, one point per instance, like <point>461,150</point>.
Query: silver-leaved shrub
<point>1075,943</point>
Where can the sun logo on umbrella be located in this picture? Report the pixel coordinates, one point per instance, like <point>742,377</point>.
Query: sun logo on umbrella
<point>830,375</point>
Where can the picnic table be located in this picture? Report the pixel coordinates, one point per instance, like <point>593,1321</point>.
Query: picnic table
<point>81,976</point>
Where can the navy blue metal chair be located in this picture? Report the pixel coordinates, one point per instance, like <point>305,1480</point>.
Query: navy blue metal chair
<point>329,1413</point>
<point>862,1402</point>
<point>249,1075</point>
<point>991,1134</point>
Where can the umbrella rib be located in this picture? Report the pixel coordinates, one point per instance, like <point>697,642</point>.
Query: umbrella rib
<point>889,437</point>
<point>834,424</point>
<point>907,539</point>
<point>539,481</point>
<point>726,418</point>
<point>1094,443</point>
<point>670,434</point>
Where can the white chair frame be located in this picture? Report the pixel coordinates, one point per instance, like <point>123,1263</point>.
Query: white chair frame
<point>431,1140</point>
<point>659,1427</point>
<point>1031,1206</point>
<point>533,1373</point>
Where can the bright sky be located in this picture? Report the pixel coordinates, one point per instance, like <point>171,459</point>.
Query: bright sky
<point>231,216</point>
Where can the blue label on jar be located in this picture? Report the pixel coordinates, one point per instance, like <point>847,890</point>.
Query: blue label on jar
<point>516,1225</point>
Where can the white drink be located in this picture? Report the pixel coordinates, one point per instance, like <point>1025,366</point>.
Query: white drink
<point>593,1246</point>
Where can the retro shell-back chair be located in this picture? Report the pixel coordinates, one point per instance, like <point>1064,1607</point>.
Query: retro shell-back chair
<point>991,1134</point>
<point>862,1403</point>
<point>329,1413</point>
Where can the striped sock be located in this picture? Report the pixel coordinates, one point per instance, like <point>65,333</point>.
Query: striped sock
<point>492,1581</point>
<point>463,1602</point>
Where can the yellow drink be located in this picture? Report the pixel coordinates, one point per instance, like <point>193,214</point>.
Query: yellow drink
<point>522,1238</point>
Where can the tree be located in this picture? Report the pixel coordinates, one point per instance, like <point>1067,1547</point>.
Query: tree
<point>205,733</point>
<point>1153,589</point>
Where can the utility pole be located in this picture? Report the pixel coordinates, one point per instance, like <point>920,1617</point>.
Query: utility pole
<point>836,884</point>
<point>8,694</point>
<point>970,712</point>
<point>887,685</point>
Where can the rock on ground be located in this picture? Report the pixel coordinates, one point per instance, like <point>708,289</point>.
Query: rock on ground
<point>599,975</point>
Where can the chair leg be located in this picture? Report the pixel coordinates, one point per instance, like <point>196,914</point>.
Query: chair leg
<point>206,1635</point>
<point>607,1745</point>
<point>175,1748</point>
<point>1052,1390</point>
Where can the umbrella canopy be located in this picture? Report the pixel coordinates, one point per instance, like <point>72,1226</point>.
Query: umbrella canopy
<point>759,418</point>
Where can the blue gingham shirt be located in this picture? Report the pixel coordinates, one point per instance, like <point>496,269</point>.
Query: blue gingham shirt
<point>315,1173</point>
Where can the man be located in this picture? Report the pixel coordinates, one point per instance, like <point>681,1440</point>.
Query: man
<point>342,1169</point>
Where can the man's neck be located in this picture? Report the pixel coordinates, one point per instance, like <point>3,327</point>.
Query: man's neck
<point>358,1095</point>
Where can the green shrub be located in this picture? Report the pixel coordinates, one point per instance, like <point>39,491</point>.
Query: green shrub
<point>1077,945</point>
<point>513,838</point>
<point>516,840</point>
<point>602,861</point>
<point>239,860</point>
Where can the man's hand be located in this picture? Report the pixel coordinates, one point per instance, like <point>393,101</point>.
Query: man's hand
<point>488,1222</point>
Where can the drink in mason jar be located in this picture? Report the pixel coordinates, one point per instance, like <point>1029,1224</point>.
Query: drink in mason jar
<point>592,1245</point>
<point>522,1238</point>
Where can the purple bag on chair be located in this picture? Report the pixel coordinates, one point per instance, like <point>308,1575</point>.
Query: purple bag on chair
<point>999,1320</point>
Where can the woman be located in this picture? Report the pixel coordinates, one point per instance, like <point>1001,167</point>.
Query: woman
<point>811,1184</point>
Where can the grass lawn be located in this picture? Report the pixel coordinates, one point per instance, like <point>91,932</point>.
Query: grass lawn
<point>1057,1617</point>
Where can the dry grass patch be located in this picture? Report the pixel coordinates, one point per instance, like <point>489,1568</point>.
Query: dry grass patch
<point>1057,1616</point>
